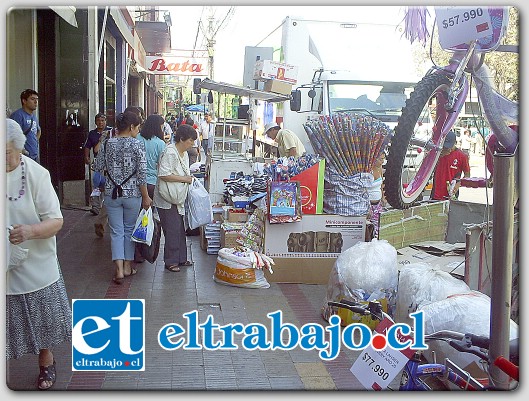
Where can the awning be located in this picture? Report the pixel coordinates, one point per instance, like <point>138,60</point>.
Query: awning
<point>255,94</point>
<point>67,13</point>
<point>122,25</point>
<point>155,36</point>
<point>197,108</point>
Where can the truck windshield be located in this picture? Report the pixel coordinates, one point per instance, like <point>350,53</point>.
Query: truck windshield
<point>379,98</point>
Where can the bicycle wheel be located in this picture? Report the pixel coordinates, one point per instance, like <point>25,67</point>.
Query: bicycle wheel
<point>417,144</point>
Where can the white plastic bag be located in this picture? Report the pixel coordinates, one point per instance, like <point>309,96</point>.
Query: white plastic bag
<point>144,227</point>
<point>365,271</point>
<point>369,266</point>
<point>198,206</point>
<point>464,313</point>
<point>419,283</point>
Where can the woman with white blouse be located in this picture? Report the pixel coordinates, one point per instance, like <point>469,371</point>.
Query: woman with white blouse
<point>38,310</point>
<point>174,168</point>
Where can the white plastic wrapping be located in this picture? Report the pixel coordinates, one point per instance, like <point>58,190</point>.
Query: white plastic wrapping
<point>369,266</point>
<point>464,313</point>
<point>419,283</point>
<point>365,271</point>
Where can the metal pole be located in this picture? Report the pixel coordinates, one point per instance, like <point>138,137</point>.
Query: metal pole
<point>502,243</point>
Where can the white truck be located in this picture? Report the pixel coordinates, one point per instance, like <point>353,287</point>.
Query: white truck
<point>363,67</point>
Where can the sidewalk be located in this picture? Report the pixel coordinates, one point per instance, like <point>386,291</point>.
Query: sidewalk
<point>87,268</point>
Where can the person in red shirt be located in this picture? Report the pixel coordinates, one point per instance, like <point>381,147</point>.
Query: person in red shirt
<point>452,163</point>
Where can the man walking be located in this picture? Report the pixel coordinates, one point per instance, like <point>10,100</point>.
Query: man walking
<point>207,130</point>
<point>28,121</point>
<point>98,180</point>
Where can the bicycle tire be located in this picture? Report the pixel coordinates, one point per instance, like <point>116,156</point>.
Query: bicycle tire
<point>399,194</point>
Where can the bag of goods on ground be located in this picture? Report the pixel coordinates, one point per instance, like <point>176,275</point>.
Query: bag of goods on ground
<point>242,267</point>
<point>465,313</point>
<point>367,271</point>
<point>420,283</point>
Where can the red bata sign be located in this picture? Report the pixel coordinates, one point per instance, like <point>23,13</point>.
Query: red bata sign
<point>161,65</point>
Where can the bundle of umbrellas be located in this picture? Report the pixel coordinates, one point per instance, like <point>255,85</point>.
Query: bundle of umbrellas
<point>349,142</point>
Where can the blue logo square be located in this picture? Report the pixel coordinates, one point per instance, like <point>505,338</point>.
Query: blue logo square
<point>108,335</point>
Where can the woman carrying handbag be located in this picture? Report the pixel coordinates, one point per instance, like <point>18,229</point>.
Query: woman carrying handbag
<point>170,194</point>
<point>122,159</point>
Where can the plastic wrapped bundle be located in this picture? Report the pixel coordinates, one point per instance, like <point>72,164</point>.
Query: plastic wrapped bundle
<point>420,283</point>
<point>370,266</point>
<point>464,313</point>
<point>367,271</point>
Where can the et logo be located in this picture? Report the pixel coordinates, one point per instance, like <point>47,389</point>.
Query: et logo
<point>108,335</point>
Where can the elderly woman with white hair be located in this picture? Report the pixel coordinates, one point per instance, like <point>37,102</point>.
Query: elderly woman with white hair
<point>37,306</point>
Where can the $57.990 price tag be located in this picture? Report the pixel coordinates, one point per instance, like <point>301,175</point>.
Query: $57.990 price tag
<point>459,25</point>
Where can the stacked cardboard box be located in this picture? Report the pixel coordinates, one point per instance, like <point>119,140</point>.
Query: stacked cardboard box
<point>228,234</point>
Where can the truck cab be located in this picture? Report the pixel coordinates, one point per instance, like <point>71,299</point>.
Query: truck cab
<point>358,67</point>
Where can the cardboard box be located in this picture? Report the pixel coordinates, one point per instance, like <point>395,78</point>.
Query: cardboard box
<point>310,260</point>
<point>315,236</point>
<point>301,270</point>
<point>268,69</point>
<point>276,86</point>
<point>450,263</point>
<point>237,216</point>
<point>229,233</point>
<point>311,185</point>
<point>419,223</point>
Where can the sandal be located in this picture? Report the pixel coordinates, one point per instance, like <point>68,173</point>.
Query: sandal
<point>186,263</point>
<point>173,268</point>
<point>118,280</point>
<point>47,374</point>
<point>133,271</point>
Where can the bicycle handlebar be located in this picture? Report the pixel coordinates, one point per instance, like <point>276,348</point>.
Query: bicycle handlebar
<point>469,343</point>
<point>508,367</point>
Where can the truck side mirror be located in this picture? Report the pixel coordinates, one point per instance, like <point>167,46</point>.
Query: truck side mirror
<point>295,100</point>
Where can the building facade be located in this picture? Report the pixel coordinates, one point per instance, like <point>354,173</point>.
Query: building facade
<point>81,61</point>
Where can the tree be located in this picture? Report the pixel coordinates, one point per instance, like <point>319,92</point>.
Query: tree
<point>504,66</point>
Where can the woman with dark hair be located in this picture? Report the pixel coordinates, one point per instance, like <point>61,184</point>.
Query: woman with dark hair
<point>174,170</point>
<point>151,135</point>
<point>122,159</point>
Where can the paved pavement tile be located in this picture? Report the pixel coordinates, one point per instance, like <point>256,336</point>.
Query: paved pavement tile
<point>87,269</point>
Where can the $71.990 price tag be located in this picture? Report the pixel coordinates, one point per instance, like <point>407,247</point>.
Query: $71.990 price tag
<point>459,25</point>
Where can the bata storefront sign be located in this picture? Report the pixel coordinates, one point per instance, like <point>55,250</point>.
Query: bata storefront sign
<point>171,65</point>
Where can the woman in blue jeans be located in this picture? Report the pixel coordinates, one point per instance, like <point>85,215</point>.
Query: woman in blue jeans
<point>122,159</point>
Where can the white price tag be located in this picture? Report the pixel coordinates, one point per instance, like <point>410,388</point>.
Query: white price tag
<point>375,370</point>
<point>459,25</point>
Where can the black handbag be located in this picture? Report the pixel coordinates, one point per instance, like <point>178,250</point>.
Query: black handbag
<point>150,252</point>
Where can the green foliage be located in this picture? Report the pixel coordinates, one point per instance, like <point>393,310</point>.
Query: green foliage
<point>504,66</point>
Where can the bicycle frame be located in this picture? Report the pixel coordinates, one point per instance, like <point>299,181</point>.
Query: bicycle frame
<point>414,372</point>
<point>500,112</point>
<point>447,87</point>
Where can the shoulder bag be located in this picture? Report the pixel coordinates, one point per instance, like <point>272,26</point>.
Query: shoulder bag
<point>173,192</point>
